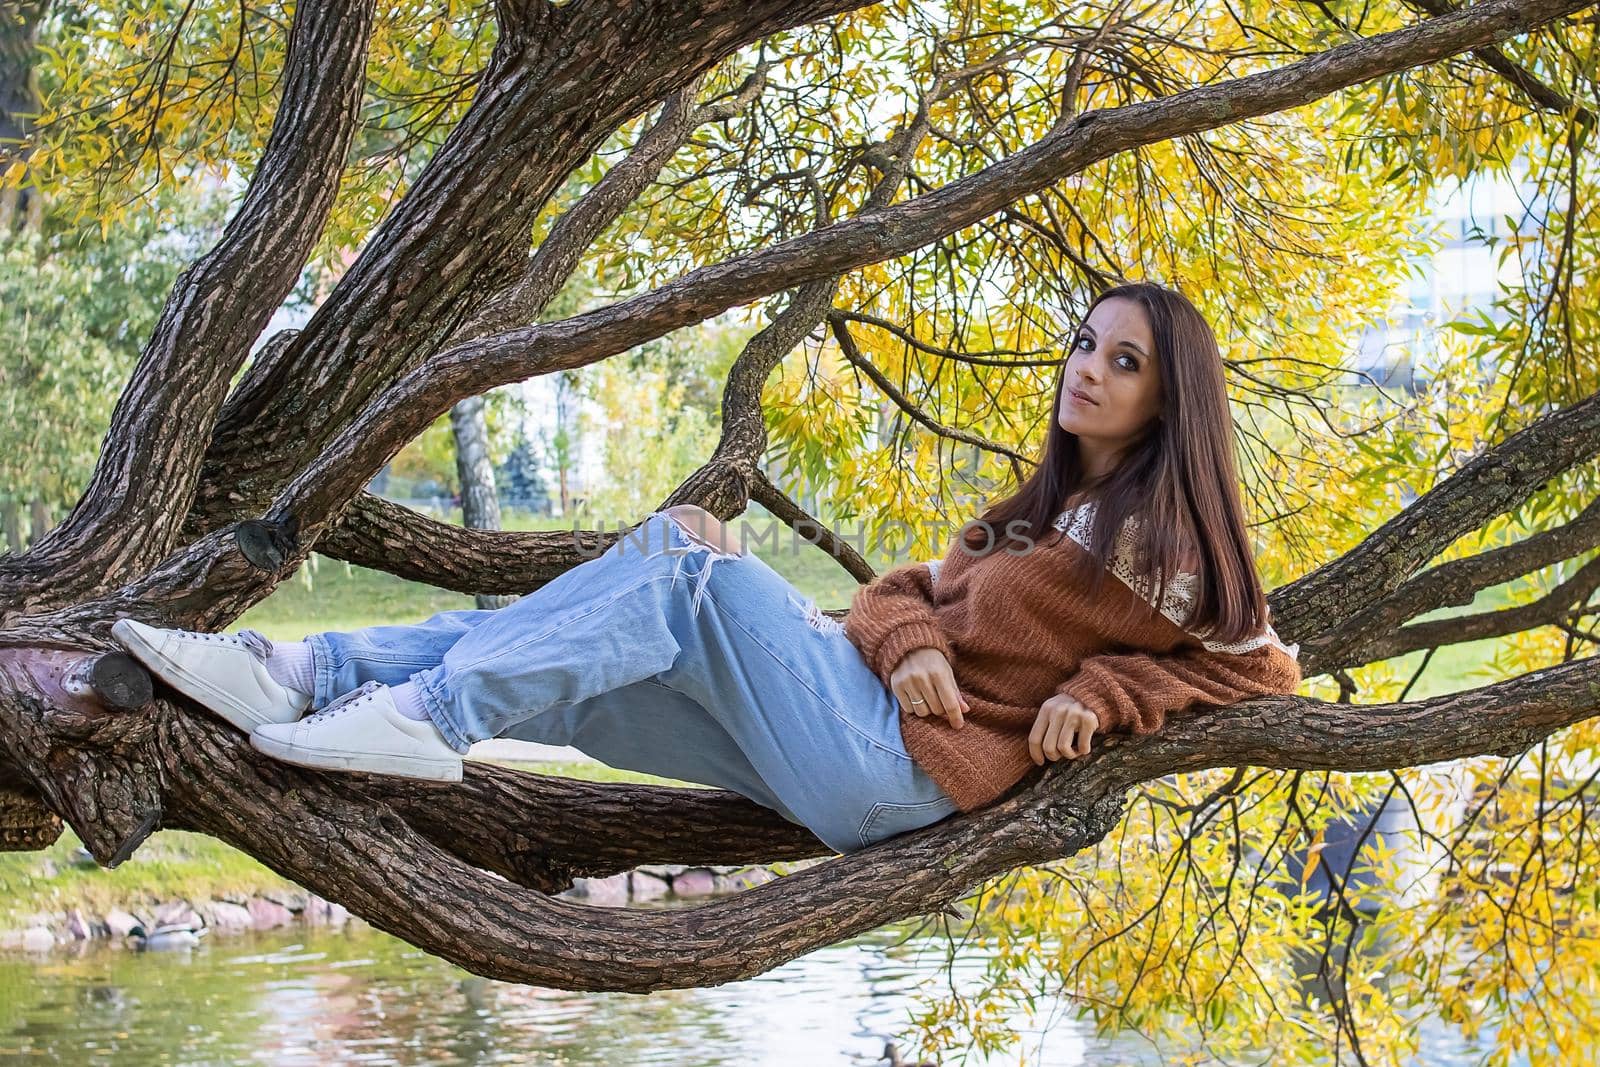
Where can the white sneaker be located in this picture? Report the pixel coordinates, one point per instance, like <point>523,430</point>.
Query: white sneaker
<point>363,731</point>
<point>225,672</point>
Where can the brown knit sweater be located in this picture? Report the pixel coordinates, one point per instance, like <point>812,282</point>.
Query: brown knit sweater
<point>1017,630</point>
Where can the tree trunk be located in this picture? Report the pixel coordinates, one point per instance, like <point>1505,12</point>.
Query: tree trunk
<point>39,518</point>
<point>11,518</point>
<point>480,504</point>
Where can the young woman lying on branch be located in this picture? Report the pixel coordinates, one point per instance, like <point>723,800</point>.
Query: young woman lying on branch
<point>678,654</point>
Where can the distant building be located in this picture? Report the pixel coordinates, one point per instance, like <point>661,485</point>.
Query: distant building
<point>1459,279</point>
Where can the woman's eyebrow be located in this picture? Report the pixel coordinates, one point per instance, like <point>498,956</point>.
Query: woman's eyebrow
<point>1086,328</point>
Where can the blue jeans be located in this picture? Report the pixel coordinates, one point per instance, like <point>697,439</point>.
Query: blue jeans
<point>669,656</point>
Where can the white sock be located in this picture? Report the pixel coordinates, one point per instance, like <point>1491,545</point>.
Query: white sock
<point>290,666</point>
<point>408,701</point>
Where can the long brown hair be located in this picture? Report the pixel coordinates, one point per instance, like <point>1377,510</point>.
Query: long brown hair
<point>1179,482</point>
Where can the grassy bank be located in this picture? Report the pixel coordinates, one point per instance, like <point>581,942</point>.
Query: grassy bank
<point>172,864</point>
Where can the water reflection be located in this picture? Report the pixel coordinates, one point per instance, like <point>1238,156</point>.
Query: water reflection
<point>358,996</point>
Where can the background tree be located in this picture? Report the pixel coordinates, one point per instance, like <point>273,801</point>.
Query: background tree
<point>75,306</point>
<point>519,480</point>
<point>923,195</point>
<point>76,303</point>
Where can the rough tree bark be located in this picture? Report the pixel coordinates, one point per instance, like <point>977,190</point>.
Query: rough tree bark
<point>205,499</point>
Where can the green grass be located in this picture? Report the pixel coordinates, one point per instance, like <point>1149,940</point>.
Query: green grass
<point>172,864</point>
<point>329,595</point>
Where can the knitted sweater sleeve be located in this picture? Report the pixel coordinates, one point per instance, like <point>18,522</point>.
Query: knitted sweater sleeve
<point>893,614</point>
<point>1135,691</point>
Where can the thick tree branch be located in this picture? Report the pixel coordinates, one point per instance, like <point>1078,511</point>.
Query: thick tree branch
<point>59,739</point>
<point>1489,484</point>
<point>1547,610</point>
<point>331,833</point>
<point>462,230</point>
<point>417,891</point>
<point>390,537</point>
<point>1297,733</point>
<point>563,828</point>
<point>1452,583</point>
<point>206,585</point>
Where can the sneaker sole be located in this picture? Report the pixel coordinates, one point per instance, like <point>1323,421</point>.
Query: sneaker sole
<point>215,700</point>
<point>321,759</point>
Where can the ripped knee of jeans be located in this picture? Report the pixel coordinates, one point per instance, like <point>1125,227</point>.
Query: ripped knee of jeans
<point>698,544</point>
<point>693,536</point>
<point>816,618</point>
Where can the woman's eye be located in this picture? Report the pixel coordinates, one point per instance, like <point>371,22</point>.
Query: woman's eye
<point>1131,363</point>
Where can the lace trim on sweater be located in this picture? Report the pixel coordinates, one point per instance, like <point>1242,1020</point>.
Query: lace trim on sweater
<point>1178,600</point>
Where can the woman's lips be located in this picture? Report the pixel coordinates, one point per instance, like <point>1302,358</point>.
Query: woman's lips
<point>1079,398</point>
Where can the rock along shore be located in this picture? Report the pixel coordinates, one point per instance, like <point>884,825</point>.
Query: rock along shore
<point>268,909</point>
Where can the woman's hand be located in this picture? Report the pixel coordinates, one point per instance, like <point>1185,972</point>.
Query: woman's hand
<point>925,685</point>
<point>1063,728</point>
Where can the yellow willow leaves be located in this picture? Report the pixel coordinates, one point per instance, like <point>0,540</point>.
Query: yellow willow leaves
<point>158,93</point>
<point>1520,936</point>
<point>1146,935</point>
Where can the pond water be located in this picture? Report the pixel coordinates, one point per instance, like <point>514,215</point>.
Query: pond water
<point>358,996</point>
<point>309,996</point>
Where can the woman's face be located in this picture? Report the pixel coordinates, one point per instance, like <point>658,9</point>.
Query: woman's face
<point>1113,362</point>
